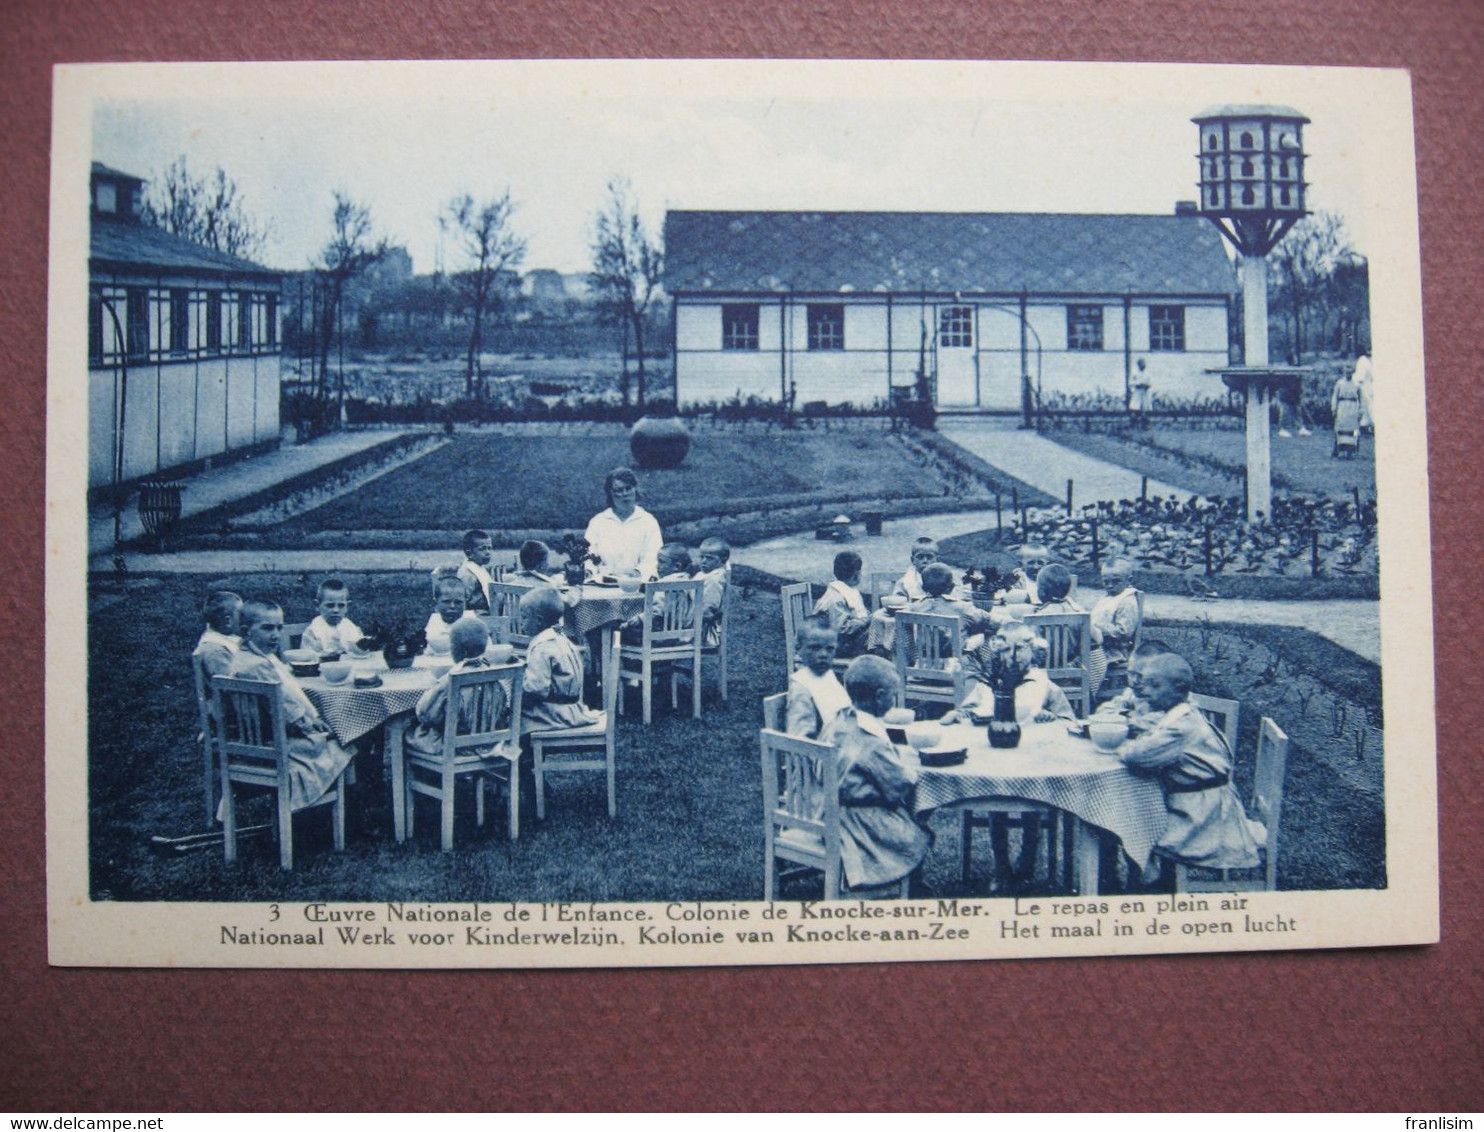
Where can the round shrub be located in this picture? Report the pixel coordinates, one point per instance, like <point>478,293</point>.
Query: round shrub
<point>659,442</point>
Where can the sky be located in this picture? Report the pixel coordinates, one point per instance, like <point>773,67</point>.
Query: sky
<point>406,138</point>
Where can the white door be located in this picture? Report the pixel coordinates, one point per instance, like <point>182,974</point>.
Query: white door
<point>958,383</point>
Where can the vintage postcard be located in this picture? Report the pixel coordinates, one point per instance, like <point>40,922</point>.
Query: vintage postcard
<point>523,514</point>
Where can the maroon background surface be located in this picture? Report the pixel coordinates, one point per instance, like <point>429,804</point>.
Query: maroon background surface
<point>1387,1029</point>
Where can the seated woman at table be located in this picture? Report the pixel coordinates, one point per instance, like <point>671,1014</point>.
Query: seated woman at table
<point>448,610</point>
<point>534,558</point>
<point>1053,587</point>
<point>551,694</point>
<point>219,640</point>
<point>1037,699</point>
<point>1207,825</point>
<point>815,694</point>
<point>316,759</point>
<point>625,539</point>
<point>468,640</point>
<point>842,603</point>
<point>937,580</point>
<point>880,839</point>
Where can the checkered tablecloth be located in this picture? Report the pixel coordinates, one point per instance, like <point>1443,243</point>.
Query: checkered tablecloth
<point>352,712</point>
<point>597,606</point>
<point>1058,769</point>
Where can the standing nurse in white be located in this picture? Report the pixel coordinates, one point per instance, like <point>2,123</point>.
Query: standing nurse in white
<point>625,538</point>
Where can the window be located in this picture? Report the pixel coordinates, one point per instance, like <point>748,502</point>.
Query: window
<point>214,320</point>
<point>956,326</point>
<point>1167,328</point>
<point>1246,141</point>
<point>95,327</point>
<point>739,326</point>
<point>270,337</point>
<point>244,320</point>
<point>1085,328</point>
<point>826,326</point>
<point>1247,168</point>
<point>180,322</point>
<point>1248,197</point>
<point>108,198</point>
<point>136,322</point>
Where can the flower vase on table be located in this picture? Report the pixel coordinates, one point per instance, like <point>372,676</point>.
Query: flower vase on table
<point>994,664</point>
<point>1004,728</point>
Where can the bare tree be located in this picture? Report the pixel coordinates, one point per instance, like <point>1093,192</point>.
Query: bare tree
<point>484,233</point>
<point>352,248</point>
<point>1305,263</point>
<point>205,210</point>
<point>627,266</point>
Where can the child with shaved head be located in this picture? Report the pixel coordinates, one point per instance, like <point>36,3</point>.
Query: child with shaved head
<point>551,696</point>
<point>468,639</point>
<point>1207,825</point>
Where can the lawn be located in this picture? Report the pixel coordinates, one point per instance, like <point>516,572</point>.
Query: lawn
<point>499,480</point>
<point>689,824</point>
<point>1210,461</point>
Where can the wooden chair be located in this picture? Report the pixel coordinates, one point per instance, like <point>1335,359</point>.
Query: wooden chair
<point>878,585</point>
<point>670,639</point>
<point>801,811</point>
<point>206,721</point>
<point>1267,807</point>
<point>478,701</point>
<point>723,634</point>
<point>1222,714</point>
<point>253,750</point>
<point>505,605</point>
<point>775,710</point>
<point>293,634</point>
<point>797,602</point>
<point>593,745</point>
<point>1068,638</point>
<point>928,649</point>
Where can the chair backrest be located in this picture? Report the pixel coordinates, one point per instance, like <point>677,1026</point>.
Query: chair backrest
<point>203,696</point>
<point>922,646</point>
<point>505,605</point>
<point>1068,638</point>
<point>775,709</point>
<point>292,636</point>
<point>670,613</point>
<point>801,790</point>
<point>1224,715</point>
<point>252,740</point>
<point>1267,790</point>
<point>483,709</point>
<point>797,603</point>
<point>878,585</point>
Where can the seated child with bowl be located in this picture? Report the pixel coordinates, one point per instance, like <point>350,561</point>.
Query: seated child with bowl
<point>332,633</point>
<point>815,694</point>
<point>1037,698</point>
<point>842,603</point>
<point>468,640</point>
<point>448,610</point>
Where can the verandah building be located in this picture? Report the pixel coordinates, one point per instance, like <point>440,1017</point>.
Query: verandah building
<point>183,344</point>
<point>841,307</point>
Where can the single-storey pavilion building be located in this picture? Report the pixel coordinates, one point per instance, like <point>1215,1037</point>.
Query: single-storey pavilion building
<point>184,361</point>
<point>844,307</point>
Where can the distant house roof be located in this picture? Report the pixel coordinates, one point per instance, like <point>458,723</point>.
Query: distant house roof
<point>107,171</point>
<point>126,245</point>
<point>907,252</point>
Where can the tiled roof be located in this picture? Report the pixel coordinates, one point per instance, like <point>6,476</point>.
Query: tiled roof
<point>130,245</point>
<point>908,252</point>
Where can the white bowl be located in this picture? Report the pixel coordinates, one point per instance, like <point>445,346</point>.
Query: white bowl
<point>499,653</point>
<point>301,656</point>
<point>335,672</point>
<point>439,646</point>
<point>631,585</point>
<point>1107,733</point>
<point>898,717</point>
<point>925,734</point>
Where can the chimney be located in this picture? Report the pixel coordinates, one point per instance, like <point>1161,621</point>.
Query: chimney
<point>1186,208</point>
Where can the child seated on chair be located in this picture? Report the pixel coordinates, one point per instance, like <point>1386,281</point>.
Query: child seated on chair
<point>674,566</point>
<point>713,556</point>
<point>1033,556</point>
<point>880,839</point>
<point>316,759</point>
<point>534,557</point>
<point>937,580</point>
<point>448,610</point>
<point>1115,624</point>
<point>1037,699</point>
<point>1130,703</point>
<point>551,695</point>
<point>1054,587</point>
<point>1207,825</point>
<point>474,571</point>
<point>909,585</point>
<point>332,631</point>
<point>815,694</point>
<point>468,640</point>
<point>842,603</point>
<point>219,640</point>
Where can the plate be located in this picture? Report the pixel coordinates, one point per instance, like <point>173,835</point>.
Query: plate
<point>371,681</point>
<point>942,756</point>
